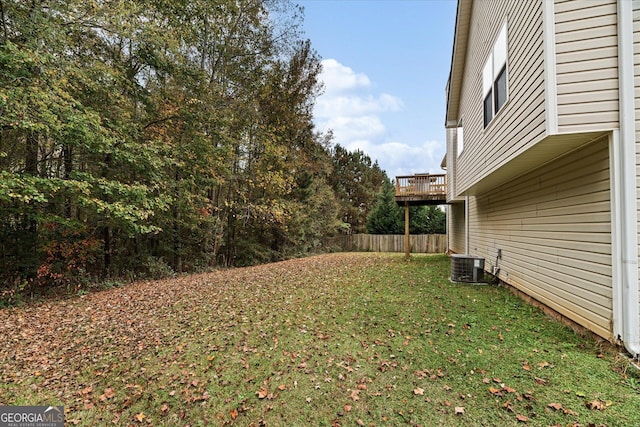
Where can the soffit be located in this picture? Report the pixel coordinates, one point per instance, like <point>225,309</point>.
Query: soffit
<point>548,149</point>
<point>461,35</point>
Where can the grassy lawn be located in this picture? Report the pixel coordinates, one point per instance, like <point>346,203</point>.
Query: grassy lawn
<point>334,340</point>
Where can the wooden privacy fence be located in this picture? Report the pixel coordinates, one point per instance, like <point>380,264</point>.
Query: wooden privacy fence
<point>419,243</point>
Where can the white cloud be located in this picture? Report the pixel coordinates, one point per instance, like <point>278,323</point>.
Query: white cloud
<point>399,159</point>
<point>357,117</point>
<point>338,77</point>
<point>328,106</point>
<point>349,128</point>
<point>345,111</point>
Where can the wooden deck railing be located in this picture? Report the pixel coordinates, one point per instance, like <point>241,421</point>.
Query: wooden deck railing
<point>422,185</point>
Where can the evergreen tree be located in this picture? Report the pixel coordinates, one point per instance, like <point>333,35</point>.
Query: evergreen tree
<point>385,217</point>
<point>356,181</point>
<point>427,220</point>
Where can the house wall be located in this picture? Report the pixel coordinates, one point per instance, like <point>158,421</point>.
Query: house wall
<point>586,46</point>
<point>553,226</point>
<point>456,228</point>
<point>520,122</point>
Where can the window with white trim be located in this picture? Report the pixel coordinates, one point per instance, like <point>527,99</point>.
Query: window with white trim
<point>494,78</point>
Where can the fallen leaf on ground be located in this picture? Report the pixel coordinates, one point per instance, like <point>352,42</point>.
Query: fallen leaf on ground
<point>459,410</point>
<point>598,405</point>
<point>495,391</point>
<point>418,391</point>
<point>521,418</point>
<point>570,412</point>
<point>556,406</point>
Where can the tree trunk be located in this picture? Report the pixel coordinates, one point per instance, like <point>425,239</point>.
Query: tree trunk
<point>177,259</point>
<point>31,168</point>
<point>68,168</point>
<point>106,237</point>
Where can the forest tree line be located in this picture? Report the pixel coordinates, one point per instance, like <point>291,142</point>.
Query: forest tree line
<point>139,138</point>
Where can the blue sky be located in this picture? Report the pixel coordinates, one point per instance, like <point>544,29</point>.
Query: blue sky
<point>385,68</point>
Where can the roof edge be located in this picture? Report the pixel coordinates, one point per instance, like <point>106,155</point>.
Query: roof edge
<point>458,56</point>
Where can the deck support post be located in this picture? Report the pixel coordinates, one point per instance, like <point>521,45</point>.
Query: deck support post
<point>406,231</point>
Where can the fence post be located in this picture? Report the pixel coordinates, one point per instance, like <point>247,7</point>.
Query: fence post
<point>406,231</point>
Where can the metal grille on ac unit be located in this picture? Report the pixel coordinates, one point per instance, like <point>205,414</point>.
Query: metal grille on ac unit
<point>467,268</point>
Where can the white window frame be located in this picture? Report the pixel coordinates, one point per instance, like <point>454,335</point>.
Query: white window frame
<point>495,63</point>
<point>460,138</point>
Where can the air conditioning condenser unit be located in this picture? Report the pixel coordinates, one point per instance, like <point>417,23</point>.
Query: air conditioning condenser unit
<point>467,268</point>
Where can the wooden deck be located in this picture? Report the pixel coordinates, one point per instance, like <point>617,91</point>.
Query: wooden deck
<point>421,189</point>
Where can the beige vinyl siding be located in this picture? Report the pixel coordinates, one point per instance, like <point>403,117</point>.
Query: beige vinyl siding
<point>456,227</point>
<point>636,73</point>
<point>586,65</point>
<point>520,123</point>
<point>553,226</point>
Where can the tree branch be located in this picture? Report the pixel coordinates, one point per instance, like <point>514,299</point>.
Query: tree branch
<point>164,119</point>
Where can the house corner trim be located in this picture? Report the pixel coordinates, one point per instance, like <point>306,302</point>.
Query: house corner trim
<point>550,83</point>
<point>627,214</point>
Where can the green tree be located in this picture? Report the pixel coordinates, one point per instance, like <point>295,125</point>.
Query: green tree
<point>386,217</point>
<point>427,220</point>
<point>144,137</point>
<point>356,181</point>
<point>56,142</point>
